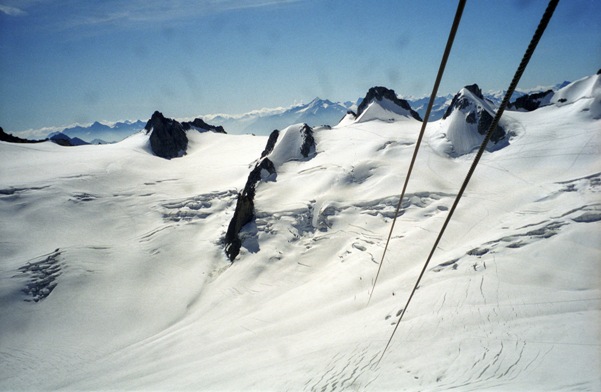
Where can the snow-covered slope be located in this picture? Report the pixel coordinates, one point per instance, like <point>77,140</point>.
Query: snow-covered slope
<point>588,88</point>
<point>113,274</point>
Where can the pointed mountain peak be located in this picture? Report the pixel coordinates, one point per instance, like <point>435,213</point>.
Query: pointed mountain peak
<point>474,89</point>
<point>468,96</point>
<point>167,137</point>
<point>387,100</point>
<point>467,120</point>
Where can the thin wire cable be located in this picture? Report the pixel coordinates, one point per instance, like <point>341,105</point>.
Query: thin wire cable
<point>516,78</point>
<point>443,64</point>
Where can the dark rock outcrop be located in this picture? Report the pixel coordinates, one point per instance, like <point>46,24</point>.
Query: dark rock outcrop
<point>273,138</point>
<point>245,207</point>
<point>7,137</point>
<point>167,136</point>
<point>308,146</point>
<point>530,102</point>
<point>379,93</point>
<point>245,212</point>
<point>474,89</point>
<point>264,170</point>
<point>484,122</point>
<point>202,126</point>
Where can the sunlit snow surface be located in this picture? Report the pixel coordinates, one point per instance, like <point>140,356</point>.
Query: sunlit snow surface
<point>113,276</point>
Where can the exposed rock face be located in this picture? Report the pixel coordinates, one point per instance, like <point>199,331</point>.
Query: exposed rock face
<point>461,101</point>
<point>472,104</point>
<point>245,212</point>
<point>474,89</point>
<point>202,126</point>
<point>530,102</point>
<point>7,137</point>
<point>167,137</point>
<point>297,142</point>
<point>308,146</point>
<point>273,138</point>
<point>378,94</point>
<point>263,171</point>
<point>245,207</point>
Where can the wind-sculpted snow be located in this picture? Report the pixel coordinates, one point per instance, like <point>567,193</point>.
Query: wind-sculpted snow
<point>294,143</point>
<point>198,207</point>
<point>140,295</point>
<point>588,87</point>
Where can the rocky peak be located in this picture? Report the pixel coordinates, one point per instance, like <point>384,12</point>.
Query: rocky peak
<point>308,145</point>
<point>461,100</point>
<point>380,93</point>
<point>467,114</point>
<point>167,136</point>
<point>202,126</point>
<point>474,89</point>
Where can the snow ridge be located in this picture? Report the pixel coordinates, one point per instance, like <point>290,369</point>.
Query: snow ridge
<point>113,274</point>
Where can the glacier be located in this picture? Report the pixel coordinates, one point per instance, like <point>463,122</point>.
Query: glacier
<point>113,274</point>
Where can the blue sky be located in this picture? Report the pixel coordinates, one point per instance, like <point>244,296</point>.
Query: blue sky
<point>68,61</point>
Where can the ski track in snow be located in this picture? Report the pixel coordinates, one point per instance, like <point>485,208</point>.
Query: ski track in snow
<point>539,230</point>
<point>113,275</point>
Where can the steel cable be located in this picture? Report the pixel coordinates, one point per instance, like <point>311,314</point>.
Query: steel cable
<point>516,78</point>
<point>443,64</point>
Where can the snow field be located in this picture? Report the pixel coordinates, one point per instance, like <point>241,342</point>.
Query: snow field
<point>144,297</point>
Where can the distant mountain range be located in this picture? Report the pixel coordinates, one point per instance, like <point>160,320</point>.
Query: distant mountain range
<point>99,133</point>
<point>183,258</point>
<point>262,122</point>
<point>317,112</point>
